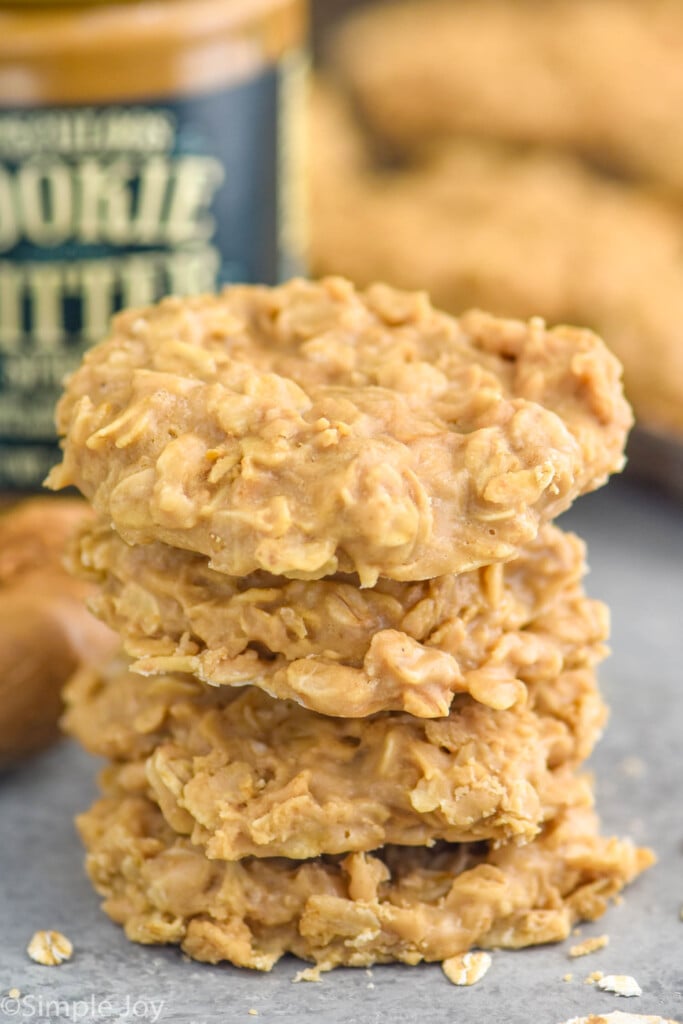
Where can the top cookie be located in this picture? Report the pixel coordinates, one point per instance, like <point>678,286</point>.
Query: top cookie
<point>308,429</point>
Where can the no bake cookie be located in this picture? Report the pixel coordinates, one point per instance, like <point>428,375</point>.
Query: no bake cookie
<point>241,773</point>
<point>394,904</point>
<point>342,650</point>
<point>309,429</point>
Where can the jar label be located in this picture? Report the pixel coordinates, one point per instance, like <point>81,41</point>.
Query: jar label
<point>112,206</point>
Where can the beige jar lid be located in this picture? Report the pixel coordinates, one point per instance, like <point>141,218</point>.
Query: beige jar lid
<point>94,51</point>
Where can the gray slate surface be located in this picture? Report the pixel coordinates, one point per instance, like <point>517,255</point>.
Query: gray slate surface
<point>636,555</point>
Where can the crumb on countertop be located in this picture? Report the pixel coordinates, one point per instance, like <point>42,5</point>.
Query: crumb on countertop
<point>49,948</point>
<point>308,974</point>
<point>618,1017</point>
<point>466,968</point>
<point>620,984</point>
<point>634,767</point>
<point>589,945</point>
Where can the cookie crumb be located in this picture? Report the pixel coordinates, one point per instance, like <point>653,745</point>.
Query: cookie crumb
<point>14,993</point>
<point>567,977</point>
<point>634,767</point>
<point>308,974</point>
<point>621,984</point>
<point>466,968</point>
<point>617,1017</point>
<point>49,948</point>
<point>589,946</point>
<point>252,1012</point>
<point>592,978</point>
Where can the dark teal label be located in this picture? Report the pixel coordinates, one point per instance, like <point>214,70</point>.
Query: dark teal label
<point>114,206</point>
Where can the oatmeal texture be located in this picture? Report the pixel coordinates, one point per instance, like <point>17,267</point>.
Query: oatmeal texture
<point>346,651</point>
<point>309,429</point>
<point>601,77</point>
<point>243,774</point>
<point>394,904</point>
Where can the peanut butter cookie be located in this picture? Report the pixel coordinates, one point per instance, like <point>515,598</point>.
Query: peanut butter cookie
<point>394,904</point>
<point>342,650</point>
<point>242,773</point>
<point>308,429</point>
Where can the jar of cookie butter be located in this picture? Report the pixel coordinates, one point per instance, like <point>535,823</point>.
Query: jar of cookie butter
<point>147,147</point>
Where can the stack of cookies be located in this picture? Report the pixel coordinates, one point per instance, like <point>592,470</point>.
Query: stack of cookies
<point>358,678</point>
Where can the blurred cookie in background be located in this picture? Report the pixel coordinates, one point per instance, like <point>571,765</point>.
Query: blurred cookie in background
<point>481,226</point>
<point>520,155</point>
<point>601,77</point>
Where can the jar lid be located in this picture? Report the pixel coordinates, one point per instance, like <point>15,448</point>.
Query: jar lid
<point>52,51</point>
<point>67,4</point>
<point>62,3</point>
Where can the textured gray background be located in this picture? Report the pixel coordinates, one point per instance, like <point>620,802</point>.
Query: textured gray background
<point>636,556</point>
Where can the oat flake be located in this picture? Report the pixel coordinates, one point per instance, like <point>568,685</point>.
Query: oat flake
<point>49,948</point>
<point>621,984</point>
<point>589,945</point>
<point>466,968</point>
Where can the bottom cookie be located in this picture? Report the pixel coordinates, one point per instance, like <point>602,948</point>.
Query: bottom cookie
<point>359,909</point>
